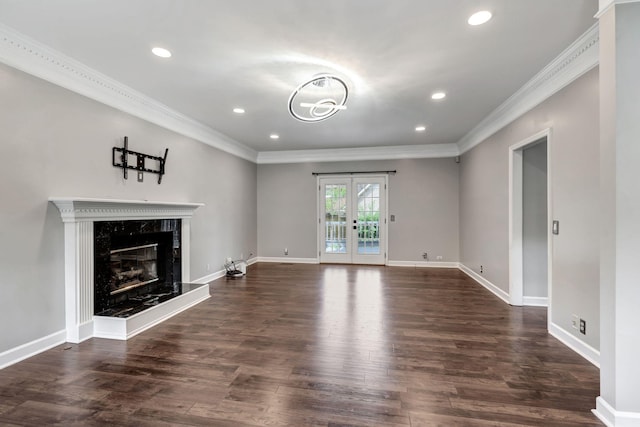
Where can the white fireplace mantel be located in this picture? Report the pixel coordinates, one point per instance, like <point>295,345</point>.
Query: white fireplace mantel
<point>78,215</point>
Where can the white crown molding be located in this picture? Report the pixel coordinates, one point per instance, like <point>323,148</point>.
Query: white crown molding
<point>361,153</point>
<point>35,58</point>
<point>76,209</point>
<point>605,5</point>
<point>580,57</point>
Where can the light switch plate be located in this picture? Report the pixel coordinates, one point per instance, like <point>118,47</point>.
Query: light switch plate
<point>555,228</point>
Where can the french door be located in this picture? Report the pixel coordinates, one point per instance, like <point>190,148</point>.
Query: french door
<point>352,219</point>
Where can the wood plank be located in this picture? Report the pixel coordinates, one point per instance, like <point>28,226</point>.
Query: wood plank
<point>318,345</point>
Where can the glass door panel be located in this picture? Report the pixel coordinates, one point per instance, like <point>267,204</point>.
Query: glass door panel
<point>352,220</point>
<point>335,230</point>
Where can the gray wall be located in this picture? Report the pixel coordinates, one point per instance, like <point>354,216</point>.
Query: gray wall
<point>573,115</point>
<point>57,143</point>
<point>534,220</point>
<point>422,196</point>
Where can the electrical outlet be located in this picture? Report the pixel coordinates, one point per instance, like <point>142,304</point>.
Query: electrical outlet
<point>575,320</point>
<point>286,251</point>
<point>425,255</point>
<point>439,258</point>
<point>481,269</point>
<point>208,267</point>
<point>583,327</point>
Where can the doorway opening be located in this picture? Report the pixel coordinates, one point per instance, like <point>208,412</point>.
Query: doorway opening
<point>352,222</point>
<point>530,243</point>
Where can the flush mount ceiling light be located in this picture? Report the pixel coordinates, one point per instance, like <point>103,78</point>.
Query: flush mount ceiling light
<point>238,110</point>
<point>421,128</point>
<point>161,52</point>
<point>479,18</point>
<point>274,136</point>
<point>438,95</point>
<point>319,98</point>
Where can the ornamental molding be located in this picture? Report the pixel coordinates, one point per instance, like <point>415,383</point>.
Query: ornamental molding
<point>37,59</point>
<point>362,153</point>
<point>580,57</point>
<point>87,210</point>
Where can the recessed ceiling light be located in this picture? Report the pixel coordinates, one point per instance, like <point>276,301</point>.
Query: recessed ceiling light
<point>479,18</point>
<point>274,136</point>
<point>438,95</point>
<point>238,110</point>
<point>421,128</point>
<point>161,52</point>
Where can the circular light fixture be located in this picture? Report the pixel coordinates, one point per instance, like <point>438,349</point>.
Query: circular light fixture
<point>274,136</point>
<point>479,18</point>
<point>238,110</point>
<point>319,98</point>
<point>436,96</point>
<point>161,52</point>
<point>421,128</point>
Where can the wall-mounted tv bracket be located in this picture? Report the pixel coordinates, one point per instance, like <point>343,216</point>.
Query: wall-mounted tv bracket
<point>140,161</point>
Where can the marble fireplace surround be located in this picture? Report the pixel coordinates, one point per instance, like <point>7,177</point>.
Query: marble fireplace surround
<point>78,215</point>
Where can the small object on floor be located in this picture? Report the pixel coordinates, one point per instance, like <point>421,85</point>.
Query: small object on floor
<point>232,270</point>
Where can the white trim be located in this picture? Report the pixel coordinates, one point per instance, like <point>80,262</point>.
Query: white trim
<point>583,349</point>
<point>605,5</point>
<point>25,351</point>
<point>580,57</point>
<point>287,260</point>
<point>211,277</point>
<point>125,328</point>
<point>484,282</point>
<point>516,252</point>
<point>535,301</point>
<point>77,209</point>
<point>358,154</point>
<point>423,264</point>
<point>612,418</point>
<point>35,58</point>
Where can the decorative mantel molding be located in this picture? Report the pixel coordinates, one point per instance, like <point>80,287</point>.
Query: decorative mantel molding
<point>76,209</point>
<point>78,215</point>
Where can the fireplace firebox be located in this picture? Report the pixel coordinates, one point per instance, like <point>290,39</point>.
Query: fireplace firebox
<point>137,265</point>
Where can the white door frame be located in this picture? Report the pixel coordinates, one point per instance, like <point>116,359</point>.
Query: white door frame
<point>384,238</point>
<point>516,267</point>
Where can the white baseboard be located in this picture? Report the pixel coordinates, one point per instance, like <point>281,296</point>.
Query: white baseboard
<point>210,277</point>
<point>32,348</point>
<point>575,344</point>
<point>484,282</point>
<point>612,418</point>
<point>423,264</point>
<point>287,260</point>
<point>535,301</point>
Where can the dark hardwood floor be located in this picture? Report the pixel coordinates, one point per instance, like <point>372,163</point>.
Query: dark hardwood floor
<point>327,345</point>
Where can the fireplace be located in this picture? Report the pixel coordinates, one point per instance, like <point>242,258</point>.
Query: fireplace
<point>137,265</point>
<point>126,265</point>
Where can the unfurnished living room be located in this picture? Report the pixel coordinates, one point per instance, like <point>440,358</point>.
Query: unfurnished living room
<point>302,213</point>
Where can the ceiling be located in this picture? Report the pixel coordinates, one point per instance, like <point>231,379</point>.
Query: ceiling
<point>392,54</point>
